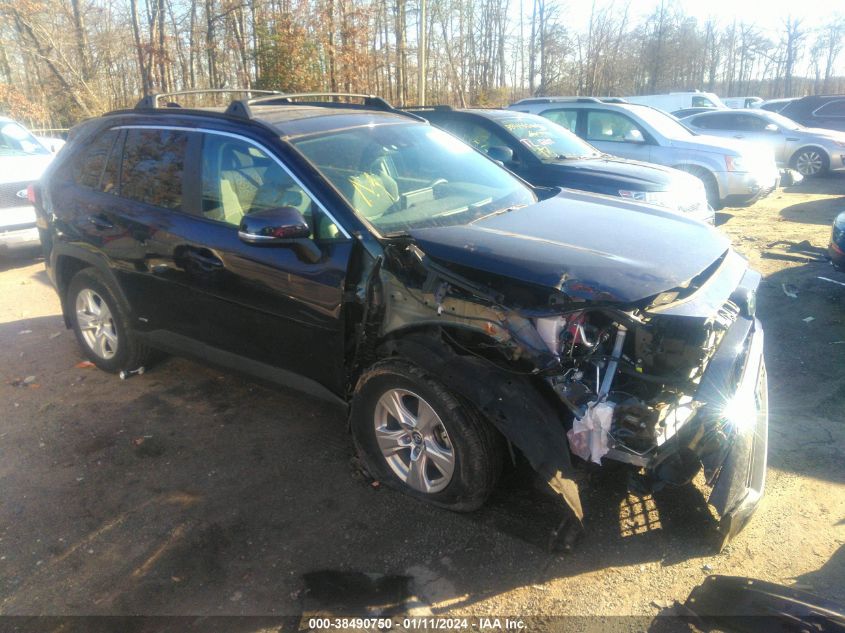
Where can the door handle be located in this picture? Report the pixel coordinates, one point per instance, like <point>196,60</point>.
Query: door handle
<point>739,136</point>
<point>207,263</point>
<point>100,222</point>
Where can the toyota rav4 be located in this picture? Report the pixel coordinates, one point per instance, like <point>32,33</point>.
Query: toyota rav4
<point>361,255</point>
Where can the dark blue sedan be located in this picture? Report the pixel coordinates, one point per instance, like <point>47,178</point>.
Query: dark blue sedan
<point>546,154</point>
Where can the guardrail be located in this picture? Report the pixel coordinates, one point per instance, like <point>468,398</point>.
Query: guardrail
<point>56,132</point>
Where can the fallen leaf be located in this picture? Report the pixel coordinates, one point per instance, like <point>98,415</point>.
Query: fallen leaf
<point>83,364</point>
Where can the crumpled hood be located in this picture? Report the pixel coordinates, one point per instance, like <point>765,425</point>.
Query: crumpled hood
<point>590,248</point>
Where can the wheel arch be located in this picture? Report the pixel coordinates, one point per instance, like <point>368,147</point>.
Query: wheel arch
<point>69,261</point>
<point>516,404</point>
<point>811,146</point>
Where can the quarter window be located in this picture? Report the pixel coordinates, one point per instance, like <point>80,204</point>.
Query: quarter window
<point>153,166</point>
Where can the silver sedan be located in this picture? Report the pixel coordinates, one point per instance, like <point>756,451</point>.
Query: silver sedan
<point>809,151</point>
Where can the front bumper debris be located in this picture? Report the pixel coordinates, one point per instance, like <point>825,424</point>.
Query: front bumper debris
<point>731,603</point>
<point>738,421</point>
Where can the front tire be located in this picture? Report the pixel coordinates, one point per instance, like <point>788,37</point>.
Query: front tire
<point>414,435</point>
<point>101,324</point>
<point>711,187</point>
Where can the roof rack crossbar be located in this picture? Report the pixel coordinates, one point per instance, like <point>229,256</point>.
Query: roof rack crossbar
<point>241,108</point>
<point>151,100</point>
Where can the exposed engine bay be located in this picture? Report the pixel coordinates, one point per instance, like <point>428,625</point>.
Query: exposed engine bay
<point>626,378</point>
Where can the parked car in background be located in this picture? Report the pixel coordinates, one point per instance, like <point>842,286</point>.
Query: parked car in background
<point>369,258</point>
<point>679,114</point>
<point>809,151</point>
<point>545,154</point>
<point>22,161</point>
<point>52,143</point>
<point>825,111</point>
<point>776,105</point>
<point>836,249</point>
<point>733,173</point>
<point>739,103</point>
<point>671,101</point>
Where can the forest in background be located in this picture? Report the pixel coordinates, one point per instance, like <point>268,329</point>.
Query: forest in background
<point>65,60</point>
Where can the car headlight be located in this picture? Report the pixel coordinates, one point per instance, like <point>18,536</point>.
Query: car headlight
<point>659,198</point>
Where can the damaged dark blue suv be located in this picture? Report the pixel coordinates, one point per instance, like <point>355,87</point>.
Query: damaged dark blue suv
<point>361,255</point>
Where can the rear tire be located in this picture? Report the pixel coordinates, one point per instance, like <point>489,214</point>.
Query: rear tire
<point>413,434</point>
<point>810,162</point>
<point>101,324</point>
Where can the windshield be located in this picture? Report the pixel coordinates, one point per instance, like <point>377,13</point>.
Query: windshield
<point>400,177</point>
<point>547,140</point>
<point>16,141</point>
<point>782,121</point>
<point>663,123</point>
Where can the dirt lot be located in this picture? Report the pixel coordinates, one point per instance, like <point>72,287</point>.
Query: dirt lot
<point>191,490</point>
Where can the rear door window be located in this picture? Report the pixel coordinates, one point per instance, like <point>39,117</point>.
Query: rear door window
<point>88,169</point>
<point>721,121</point>
<point>611,126</point>
<point>832,108</point>
<point>153,167</point>
<point>566,118</point>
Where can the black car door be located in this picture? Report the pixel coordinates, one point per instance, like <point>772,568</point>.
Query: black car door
<point>238,303</point>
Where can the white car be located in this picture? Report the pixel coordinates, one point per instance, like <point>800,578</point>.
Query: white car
<point>22,161</point>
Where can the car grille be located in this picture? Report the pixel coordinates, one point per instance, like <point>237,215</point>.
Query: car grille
<point>9,194</point>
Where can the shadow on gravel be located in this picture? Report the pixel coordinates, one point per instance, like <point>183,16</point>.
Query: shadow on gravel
<point>195,490</point>
<point>19,260</point>
<point>814,211</point>
<point>830,184</point>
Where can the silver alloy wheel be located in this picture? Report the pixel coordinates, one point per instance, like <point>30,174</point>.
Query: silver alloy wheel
<point>809,162</point>
<point>96,324</point>
<point>414,441</point>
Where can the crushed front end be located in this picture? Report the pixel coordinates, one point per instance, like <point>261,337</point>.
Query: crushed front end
<point>675,386</point>
<point>649,357</point>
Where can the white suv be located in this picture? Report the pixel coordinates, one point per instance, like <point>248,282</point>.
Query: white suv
<point>734,173</point>
<point>22,161</point>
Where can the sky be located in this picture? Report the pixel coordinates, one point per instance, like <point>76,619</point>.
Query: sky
<point>768,15</point>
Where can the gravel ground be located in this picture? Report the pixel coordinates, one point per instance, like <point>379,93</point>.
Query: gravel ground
<point>195,491</point>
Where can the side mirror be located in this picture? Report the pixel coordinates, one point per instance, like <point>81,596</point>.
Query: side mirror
<point>282,226</point>
<point>772,128</point>
<point>633,136</point>
<point>500,154</point>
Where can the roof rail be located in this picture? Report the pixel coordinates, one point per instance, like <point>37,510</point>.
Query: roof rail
<point>150,101</point>
<point>241,108</point>
<point>429,107</point>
